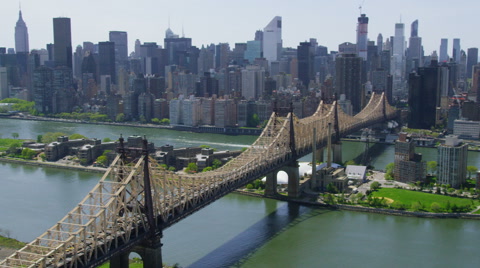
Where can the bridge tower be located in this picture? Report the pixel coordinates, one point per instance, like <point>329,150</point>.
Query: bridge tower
<point>291,168</point>
<point>337,144</point>
<point>150,249</point>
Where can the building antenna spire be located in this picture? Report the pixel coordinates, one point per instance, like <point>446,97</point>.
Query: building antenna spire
<point>183,32</point>
<point>360,7</point>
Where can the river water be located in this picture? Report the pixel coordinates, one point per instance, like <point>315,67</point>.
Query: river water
<point>237,230</point>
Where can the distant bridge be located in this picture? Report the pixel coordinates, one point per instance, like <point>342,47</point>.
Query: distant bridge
<point>136,199</point>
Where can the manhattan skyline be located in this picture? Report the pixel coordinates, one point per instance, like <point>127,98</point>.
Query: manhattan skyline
<point>330,22</point>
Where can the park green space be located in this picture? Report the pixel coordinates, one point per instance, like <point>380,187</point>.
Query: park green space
<point>7,143</point>
<point>409,198</point>
<point>10,243</point>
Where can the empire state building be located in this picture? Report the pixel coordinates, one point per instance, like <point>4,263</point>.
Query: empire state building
<point>21,35</point>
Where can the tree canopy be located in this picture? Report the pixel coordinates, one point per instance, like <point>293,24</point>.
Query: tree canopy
<point>51,136</point>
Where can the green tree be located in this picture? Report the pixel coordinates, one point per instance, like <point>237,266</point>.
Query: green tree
<point>39,138</point>
<point>331,188</point>
<point>76,136</point>
<point>349,163</point>
<point>155,121</point>
<point>165,121</point>
<point>51,136</point>
<point>253,121</point>
<point>120,117</point>
<point>435,207</point>
<point>432,166</point>
<point>471,170</point>
<point>416,206</point>
<point>191,168</point>
<point>107,140</point>
<point>329,199</point>
<point>216,163</point>
<point>102,160</point>
<point>15,135</point>
<point>172,168</point>
<point>375,186</point>
<point>207,169</point>
<point>28,153</point>
<point>389,169</point>
<point>249,186</point>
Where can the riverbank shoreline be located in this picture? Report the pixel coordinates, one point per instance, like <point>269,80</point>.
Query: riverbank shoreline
<point>199,129</point>
<point>278,197</point>
<point>53,165</point>
<point>358,208</point>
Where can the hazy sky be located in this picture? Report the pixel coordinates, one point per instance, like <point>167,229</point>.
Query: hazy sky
<point>213,21</point>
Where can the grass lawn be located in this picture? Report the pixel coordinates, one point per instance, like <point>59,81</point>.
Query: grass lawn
<point>132,265</point>
<point>408,197</point>
<point>7,143</point>
<point>10,243</point>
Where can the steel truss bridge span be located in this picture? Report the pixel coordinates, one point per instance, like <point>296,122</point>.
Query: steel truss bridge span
<point>136,199</point>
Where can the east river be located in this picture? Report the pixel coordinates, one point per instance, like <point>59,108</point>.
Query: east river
<point>243,231</point>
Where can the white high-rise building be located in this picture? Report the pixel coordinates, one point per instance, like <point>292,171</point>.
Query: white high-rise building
<point>21,35</point>
<point>362,36</point>
<point>272,40</point>
<point>452,162</point>
<point>398,58</point>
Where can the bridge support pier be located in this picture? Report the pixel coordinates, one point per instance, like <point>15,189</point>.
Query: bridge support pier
<point>271,184</point>
<point>337,153</point>
<point>293,179</point>
<point>150,251</point>
<point>120,261</point>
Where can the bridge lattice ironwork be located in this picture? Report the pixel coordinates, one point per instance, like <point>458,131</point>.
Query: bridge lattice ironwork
<point>116,214</point>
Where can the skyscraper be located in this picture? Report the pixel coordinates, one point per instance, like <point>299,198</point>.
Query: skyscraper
<point>472,59</point>
<point>305,57</point>
<point>443,50</point>
<point>362,38</point>
<point>380,43</point>
<point>272,40</point>
<point>415,50</point>
<point>106,61</point>
<point>62,42</point>
<point>21,35</point>
<point>424,96</point>
<point>121,48</point>
<point>348,81</point>
<point>456,50</point>
<point>398,59</point>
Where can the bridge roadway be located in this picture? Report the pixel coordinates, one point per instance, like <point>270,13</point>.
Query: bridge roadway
<point>136,199</point>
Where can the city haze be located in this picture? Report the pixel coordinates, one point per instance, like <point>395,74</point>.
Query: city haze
<point>214,21</point>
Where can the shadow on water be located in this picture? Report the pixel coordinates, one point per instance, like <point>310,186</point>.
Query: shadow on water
<point>234,252</point>
<point>374,151</point>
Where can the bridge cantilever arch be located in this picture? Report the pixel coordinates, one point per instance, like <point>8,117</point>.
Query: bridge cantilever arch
<point>136,199</point>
